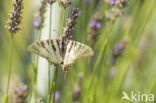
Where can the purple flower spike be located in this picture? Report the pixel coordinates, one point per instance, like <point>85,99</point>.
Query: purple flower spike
<point>37,23</point>
<point>87,1</point>
<point>98,25</point>
<point>92,23</point>
<point>112,2</point>
<point>57,95</point>
<point>117,47</point>
<point>79,14</point>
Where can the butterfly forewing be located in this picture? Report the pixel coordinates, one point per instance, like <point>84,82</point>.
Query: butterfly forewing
<point>48,49</point>
<point>75,51</point>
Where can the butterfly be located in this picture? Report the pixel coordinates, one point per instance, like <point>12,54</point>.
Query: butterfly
<point>60,51</point>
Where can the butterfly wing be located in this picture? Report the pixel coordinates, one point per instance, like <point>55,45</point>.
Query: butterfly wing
<point>75,51</point>
<point>48,49</point>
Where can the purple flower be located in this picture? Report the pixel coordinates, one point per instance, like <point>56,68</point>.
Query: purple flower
<point>87,1</point>
<point>92,23</point>
<point>98,25</point>
<point>112,2</point>
<point>37,23</point>
<point>79,14</point>
<point>57,95</point>
<point>117,47</point>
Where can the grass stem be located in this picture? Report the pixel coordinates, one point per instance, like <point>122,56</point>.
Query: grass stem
<point>35,67</point>
<point>50,93</point>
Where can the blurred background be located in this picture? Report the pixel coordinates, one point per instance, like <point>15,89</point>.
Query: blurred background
<point>122,34</point>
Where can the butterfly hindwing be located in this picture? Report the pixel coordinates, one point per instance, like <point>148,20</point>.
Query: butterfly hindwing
<point>48,49</point>
<point>75,51</point>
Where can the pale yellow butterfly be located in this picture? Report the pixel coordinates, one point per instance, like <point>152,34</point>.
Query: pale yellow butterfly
<point>61,52</point>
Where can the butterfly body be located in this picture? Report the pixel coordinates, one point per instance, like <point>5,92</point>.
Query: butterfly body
<point>63,47</point>
<point>60,51</point>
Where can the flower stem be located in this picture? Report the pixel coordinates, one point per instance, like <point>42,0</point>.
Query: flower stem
<point>53,86</point>
<point>10,63</point>
<point>50,16</point>
<point>64,19</point>
<point>40,32</point>
<point>48,78</point>
<point>50,93</point>
<point>55,82</point>
<point>35,66</point>
<point>100,57</point>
